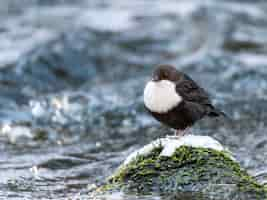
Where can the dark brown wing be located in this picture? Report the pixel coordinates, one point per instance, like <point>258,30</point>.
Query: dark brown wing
<point>190,91</point>
<point>196,96</point>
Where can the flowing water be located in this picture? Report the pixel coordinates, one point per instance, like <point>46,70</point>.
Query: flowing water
<point>72,76</point>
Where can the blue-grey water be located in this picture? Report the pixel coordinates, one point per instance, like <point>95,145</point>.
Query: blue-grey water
<point>72,75</point>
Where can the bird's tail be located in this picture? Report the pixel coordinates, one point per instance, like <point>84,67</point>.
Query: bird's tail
<point>218,113</point>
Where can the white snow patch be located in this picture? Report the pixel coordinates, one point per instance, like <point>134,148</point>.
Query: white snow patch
<point>171,144</point>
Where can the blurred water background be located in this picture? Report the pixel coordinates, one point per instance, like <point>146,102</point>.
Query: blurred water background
<point>72,75</point>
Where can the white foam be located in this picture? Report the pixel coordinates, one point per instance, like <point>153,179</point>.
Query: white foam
<point>15,132</point>
<point>115,20</point>
<point>171,144</point>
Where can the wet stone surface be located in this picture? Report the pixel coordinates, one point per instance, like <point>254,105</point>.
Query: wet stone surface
<point>72,76</point>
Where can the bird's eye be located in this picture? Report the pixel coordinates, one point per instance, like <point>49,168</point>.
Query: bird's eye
<point>165,75</point>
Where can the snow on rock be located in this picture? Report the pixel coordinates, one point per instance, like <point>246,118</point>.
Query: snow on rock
<point>170,144</point>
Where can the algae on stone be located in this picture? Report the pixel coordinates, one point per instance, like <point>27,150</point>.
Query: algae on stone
<point>189,169</point>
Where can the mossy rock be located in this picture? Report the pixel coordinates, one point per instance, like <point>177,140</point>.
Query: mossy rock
<point>211,172</point>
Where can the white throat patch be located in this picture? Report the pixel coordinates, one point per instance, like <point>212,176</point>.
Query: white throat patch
<point>161,96</point>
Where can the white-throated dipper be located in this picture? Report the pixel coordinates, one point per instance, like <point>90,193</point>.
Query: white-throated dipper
<point>176,100</point>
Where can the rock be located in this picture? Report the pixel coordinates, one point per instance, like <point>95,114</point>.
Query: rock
<point>188,164</point>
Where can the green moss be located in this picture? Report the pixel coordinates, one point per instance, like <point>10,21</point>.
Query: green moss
<point>189,169</point>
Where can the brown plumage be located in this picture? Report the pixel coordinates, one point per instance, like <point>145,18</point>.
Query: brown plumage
<point>190,103</point>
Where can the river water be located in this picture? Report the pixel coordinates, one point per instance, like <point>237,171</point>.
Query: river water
<point>72,76</point>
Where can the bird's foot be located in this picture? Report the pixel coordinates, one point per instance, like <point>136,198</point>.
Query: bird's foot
<point>173,136</point>
<point>179,133</point>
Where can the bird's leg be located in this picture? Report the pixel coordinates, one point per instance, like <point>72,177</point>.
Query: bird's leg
<point>178,133</point>
<point>174,136</point>
<point>181,133</point>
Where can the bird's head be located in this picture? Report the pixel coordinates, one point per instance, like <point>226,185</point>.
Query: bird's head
<point>165,72</point>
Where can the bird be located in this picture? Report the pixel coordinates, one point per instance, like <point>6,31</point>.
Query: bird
<point>176,100</point>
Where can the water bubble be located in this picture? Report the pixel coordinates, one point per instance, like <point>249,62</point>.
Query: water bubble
<point>38,109</point>
<point>98,144</point>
